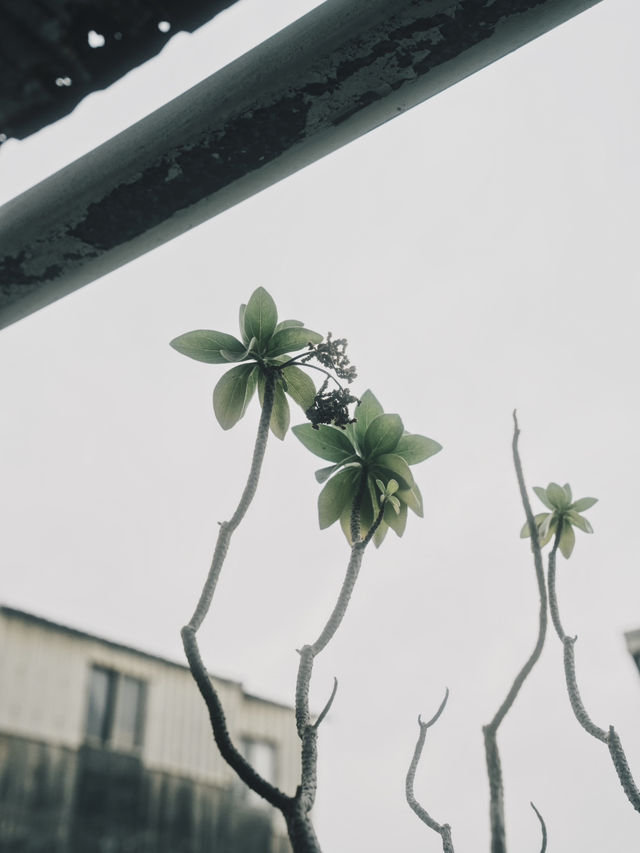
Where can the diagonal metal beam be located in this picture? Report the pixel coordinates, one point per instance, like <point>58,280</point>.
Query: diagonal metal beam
<point>338,72</point>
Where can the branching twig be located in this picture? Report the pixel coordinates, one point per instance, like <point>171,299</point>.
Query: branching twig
<point>327,707</point>
<point>609,737</point>
<point>443,829</point>
<point>494,767</point>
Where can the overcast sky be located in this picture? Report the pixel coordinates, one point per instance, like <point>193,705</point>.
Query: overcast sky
<point>480,254</point>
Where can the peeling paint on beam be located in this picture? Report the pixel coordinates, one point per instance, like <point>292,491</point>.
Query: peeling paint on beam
<point>340,71</point>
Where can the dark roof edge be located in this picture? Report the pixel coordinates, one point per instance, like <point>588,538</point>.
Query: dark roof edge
<point>15,613</point>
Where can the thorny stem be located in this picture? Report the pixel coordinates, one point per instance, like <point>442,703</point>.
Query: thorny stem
<point>494,766</point>
<point>308,731</point>
<point>610,737</point>
<point>216,713</point>
<point>444,829</point>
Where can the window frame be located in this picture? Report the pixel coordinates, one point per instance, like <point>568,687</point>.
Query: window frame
<point>109,733</point>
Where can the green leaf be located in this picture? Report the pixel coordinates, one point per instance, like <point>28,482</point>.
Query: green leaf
<point>369,507</point>
<point>248,352</point>
<point>260,316</point>
<point>395,503</point>
<point>567,540</point>
<point>323,474</point>
<point>336,496</point>
<point>232,394</point>
<point>287,324</point>
<point>374,498</point>
<point>584,503</point>
<point>551,531</point>
<point>366,510</point>
<point>525,532</point>
<point>557,496</point>
<point>412,497</point>
<point>397,520</point>
<point>394,465</point>
<point>300,386</point>
<point>327,442</point>
<point>280,414</point>
<point>206,345</point>
<point>417,448</point>
<point>252,384</point>
<point>580,522</point>
<point>542,494</point>
<point>390,489</point>
<point>291,340</point>
<point>243,332</point>
<point>381,532</point>
<point>368,409</point>
<point>546,525</point>
<point>382,435</point>
<point>567,491</point>
<point>345,523</point>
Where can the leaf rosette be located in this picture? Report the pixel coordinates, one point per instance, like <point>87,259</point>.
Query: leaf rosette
<point>370,457</point>
<point>264,345</point>
<point>564,515</point>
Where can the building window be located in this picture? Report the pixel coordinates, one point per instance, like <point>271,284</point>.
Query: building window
<point>262,756</point>
<point>115,712</point>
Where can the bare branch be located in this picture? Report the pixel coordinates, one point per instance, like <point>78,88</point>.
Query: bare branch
<point>622,768</point>
<point>551,583</point>
<point>308,731</point>
<point>580,712</point>
<point>494,765</point>
<point>437,714</point>
<point>609,737</point>
<point>543,827</point>
<point>443,829</point>
<point>326,708</point>
<point>227,749</point>
<point>216,713</point>
<point>227,527</point>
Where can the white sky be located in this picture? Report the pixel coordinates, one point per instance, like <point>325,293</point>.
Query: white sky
<point>480,254</point>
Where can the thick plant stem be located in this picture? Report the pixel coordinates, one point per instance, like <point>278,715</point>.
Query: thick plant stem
<point>308,730</point>
<point>227,527</point>
<point>216,713</point>
<point>300,830</point>
<point>610,737</point>
<point>492,753</point>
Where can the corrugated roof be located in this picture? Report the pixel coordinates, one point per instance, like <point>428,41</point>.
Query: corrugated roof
<point>25,616</point>
<point>53,53</point>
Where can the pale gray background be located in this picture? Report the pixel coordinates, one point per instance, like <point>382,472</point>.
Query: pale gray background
<point>480,253</point>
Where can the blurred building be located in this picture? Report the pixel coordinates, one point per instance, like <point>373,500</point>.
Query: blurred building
<point>633,644</point>
<point>108,749</point>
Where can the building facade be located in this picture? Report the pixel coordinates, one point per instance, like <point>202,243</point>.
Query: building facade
<point>108,749</point>
<point>633,644</point>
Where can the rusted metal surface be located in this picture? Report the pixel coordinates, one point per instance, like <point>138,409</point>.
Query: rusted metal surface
<point>340,71</point>
<point>53,54</point>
